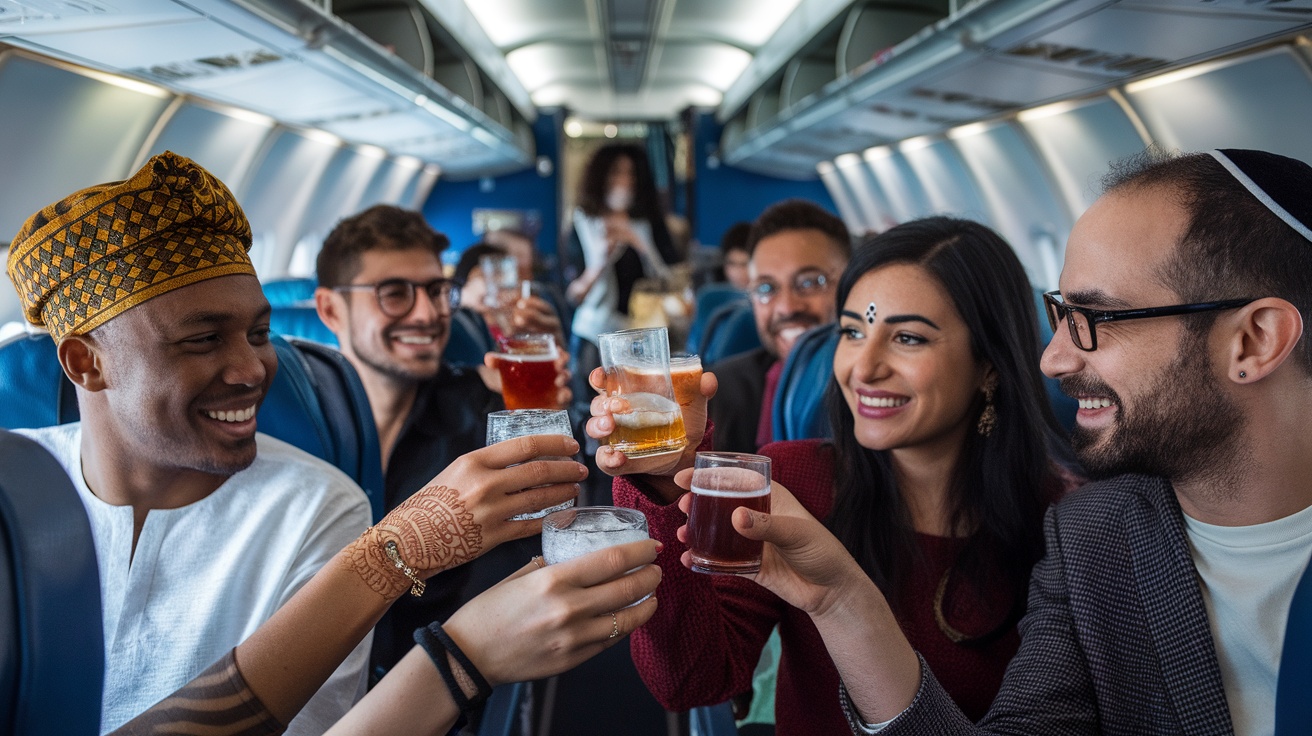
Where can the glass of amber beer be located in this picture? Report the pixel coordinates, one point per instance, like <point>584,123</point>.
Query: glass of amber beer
<point>507,425</point>
<point>637,366</point>
<point>686,375</point>
<point>721,482</point>
<point>527,364</point>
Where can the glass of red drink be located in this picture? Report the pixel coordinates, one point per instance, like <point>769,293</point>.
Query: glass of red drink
<point>527,364</point>
<point>721,482</point>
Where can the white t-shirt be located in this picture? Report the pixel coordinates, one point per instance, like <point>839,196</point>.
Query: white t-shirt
<point>205,576</point>
<point>1248,576</point>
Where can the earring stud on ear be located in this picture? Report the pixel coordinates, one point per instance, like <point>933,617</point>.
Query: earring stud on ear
<point>1243,374</point>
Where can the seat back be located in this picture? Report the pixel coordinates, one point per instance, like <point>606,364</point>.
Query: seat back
<point>711,297</point>
<point>469,340</point>
<point>731,330</point>
<point>1294,682</point>
<point>322,403</point>
<point>301,320</point>
<point>33,390</point>
<point>799,407</point>
<point>289,292</point>
<point>316,402</point>
<point>52,652</point>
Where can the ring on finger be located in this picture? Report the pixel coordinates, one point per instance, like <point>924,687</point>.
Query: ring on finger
<point>614,626</point>
<point>538,561</point>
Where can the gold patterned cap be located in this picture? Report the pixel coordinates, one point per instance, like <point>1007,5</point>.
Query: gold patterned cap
<point>105,249</point>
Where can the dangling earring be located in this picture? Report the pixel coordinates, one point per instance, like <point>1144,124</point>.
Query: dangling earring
<point>989,417</point>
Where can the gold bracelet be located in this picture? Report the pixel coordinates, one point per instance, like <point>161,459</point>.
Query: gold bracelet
<point>417,589</point>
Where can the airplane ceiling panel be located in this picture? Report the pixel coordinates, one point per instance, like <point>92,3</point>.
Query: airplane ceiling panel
<point>391,129</point>
<point>992,84</point>
<point>30,18</point>
<point>193,46</point>
<point>1174,36</point>
<point>288,90</point>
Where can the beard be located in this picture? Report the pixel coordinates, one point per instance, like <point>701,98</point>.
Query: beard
<point>1183,427</point>
<point>377,358</point>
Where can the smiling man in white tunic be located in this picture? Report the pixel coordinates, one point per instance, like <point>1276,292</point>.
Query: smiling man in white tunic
<point>203,528</point>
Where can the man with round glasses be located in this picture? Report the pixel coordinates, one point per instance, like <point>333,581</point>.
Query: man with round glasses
<point>797,252</point>
<point>382,292</point>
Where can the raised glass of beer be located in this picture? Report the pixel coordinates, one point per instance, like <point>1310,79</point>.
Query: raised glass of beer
<point>507,425</point>
<point>527,364</point>
<point>637,366</point>
<point>686,375</point>
<point>721,482</point>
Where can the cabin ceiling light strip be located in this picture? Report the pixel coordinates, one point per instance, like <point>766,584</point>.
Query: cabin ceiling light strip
<point>127,83</point>
<point>916,144</point>
<point>965,131</point>
<point>847,160</point>
<point>1047,111</point>
<point>877,153</point>
<point>824,168</point>
<point>1178,75</point>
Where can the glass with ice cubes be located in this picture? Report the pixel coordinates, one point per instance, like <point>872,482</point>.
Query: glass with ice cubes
<point>576,532</point>
<point>507,425</point>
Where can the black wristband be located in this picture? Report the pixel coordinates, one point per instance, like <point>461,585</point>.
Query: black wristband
<point>433,648</point>
<point>480,682</point>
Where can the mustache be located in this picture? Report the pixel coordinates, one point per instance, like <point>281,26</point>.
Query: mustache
<point>1078,384</point>
<point>796,319</point>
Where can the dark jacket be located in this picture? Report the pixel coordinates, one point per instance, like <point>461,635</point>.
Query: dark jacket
<point>1116,638</point>
<point>736,407</point>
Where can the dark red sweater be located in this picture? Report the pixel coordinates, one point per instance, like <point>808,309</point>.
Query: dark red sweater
<point>704,641</point>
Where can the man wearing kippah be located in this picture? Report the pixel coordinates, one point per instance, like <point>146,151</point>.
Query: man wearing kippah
<point>203,528</point>
<point>1175,596</point>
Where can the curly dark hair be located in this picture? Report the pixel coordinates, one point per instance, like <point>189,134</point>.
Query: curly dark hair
<point>799,214</point>
<point>381,227</point>
<point>592,189</point>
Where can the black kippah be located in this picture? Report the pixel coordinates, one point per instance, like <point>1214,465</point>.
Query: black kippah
<point>1282,184</point>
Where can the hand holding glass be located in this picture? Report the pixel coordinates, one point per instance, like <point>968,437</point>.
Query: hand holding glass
<point>637,367</point>
<point>576,532</point>
<point>506,425</point>
<point>721,482</point>
<point>527,365</point>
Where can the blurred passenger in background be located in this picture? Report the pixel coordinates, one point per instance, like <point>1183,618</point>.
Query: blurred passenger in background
<point>735,255</point>
<point>381,291</point>
<point>618,229</point>
<point>468,273</point>
<point>797,252</point>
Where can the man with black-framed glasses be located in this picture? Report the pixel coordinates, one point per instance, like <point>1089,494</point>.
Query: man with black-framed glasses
<point>383,293</point>
<point>1174,597</point>
<point>797,251</point>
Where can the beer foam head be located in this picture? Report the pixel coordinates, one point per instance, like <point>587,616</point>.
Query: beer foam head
<point>647,410</point>
<point>729,481</point>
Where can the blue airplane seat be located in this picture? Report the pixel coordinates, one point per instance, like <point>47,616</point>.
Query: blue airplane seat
<point>33,389</point>
<point>799,408</point>
<point>729,331</point>
<point>290,291</point>
<point>1063,406</point>
<point>301,321</point>
<point>711,297</point>
<point>318,399</point>
<point>52,661</point>
<point>316,403</point>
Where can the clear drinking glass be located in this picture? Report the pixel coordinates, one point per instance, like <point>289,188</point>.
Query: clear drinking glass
<point>637,366</point>
<point>576,532</point>
<point>506,425</point>
<point>527,364</point>
<point>721,482</point>
<point>686,375</point>
<point>501,274</point>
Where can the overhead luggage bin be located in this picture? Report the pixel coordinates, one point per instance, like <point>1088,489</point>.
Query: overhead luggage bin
<point>293,62</point>
<point>995,57</point>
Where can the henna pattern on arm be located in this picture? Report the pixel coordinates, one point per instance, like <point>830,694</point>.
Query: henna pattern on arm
<point>433,532</point>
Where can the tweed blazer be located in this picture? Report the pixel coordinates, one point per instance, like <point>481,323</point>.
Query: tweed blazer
<point>1116,637</point>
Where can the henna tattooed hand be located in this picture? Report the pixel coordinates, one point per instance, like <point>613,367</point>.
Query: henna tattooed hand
<point>465,511</point>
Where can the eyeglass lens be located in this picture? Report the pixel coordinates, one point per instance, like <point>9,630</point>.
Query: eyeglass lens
<point>397,297</point>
